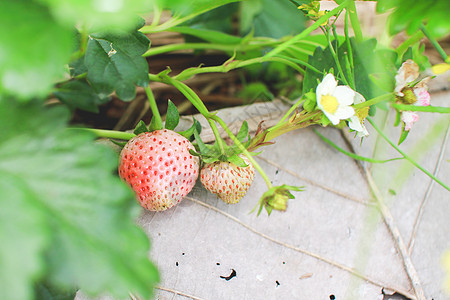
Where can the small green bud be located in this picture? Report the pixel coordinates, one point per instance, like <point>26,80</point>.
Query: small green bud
<point>409,96</point>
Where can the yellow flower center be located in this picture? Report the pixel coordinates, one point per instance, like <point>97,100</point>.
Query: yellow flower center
<point>329,104</point>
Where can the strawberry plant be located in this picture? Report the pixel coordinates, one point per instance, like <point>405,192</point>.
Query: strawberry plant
<point>67,220</point>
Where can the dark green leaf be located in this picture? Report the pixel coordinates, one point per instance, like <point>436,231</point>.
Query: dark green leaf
<point>189,133</point>
<point>243,132</point>
<point>34,49</point>
<point>114,62</point>
<point>193,7</point>
<point>79,94</point>
<point>173,117</point>
<point>63,212</point>
<point>120,144</point>
<point>260,15</point>
<point>310,102</point>
<point>46,291</point>
<point>219,19</point>
<point>433,13</point>
<point>204,149</point>
<point>237,160</point>
<point>140,128</point>
<point>403,135</point>
<point>154,125</point>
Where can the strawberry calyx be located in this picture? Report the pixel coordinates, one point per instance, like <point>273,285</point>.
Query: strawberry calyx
<point>172,120</point>
<point>220,151</point>
<point>277,198</point>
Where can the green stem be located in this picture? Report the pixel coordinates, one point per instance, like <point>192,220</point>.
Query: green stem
<point>217,136</point>
<point>335,57</point>
<point>282,128</point>
<point>410,41</point>
<point>230,65</point>
<point>406,156</point>
<point>433,109</point>
<point>157,12</point>
<point>244,150</point>
<point>434,43</point>
<point>308,30</point>
<point>195,100</point>
<point>291,110</point>
<point>349,54</point>
<point>112,134</point>
<point>351,8</point>
<point>300,62</point>
<point>208,46</point>
<point>154,107</point>
<point>374,101</point>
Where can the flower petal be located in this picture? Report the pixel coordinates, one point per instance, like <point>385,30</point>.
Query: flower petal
<point>407,73</point>
<point>344,95</point>
<point>327,86</point>
<point>333,119</point>
<point>359,98</point>
<point>344,112</point>
<point>409,118</point>
<point>355,124</point>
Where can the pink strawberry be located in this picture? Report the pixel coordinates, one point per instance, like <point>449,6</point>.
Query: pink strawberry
<point>159,168</point>
<point>227,180</point>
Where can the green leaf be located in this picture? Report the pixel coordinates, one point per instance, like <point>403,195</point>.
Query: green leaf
<point>120,144</point>
<point>237,160</point>
<point>310,103</point>
<point>79,94</point>
<point>260,15</point>
<point>433,13</point>
<point>154,125</point>
<point>189,133</point>
<point>45,291</point>
<point>220,19</point>
<point>369,62</point>
<point>187,9</point>
<point>64,215</point>
<point>173,117</point>
<point>114,62</point>
<point>25,235</point>
<point>140,128</point>
<point>98,15</point>
<point>32,52</point>
<point>204,149</point>
<point>243,132</point>
<point>403,135</point>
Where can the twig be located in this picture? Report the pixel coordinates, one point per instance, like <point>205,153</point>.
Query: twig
<point>297,249</point>
<point>393,229</point>
<point>178,293</point>
<point>427,194</point>
<point>398,240</point>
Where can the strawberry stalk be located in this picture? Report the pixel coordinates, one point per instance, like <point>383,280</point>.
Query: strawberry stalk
<point>200,106</point>
<point>156,120</point>
<point>112,134</point>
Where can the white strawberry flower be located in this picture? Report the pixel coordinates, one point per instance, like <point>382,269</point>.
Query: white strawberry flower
<point>356,122</point>
<point>416,95</point>
<point>335,100</point>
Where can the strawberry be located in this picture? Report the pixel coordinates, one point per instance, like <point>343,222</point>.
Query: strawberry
<point>229,181</point>
<point>159,168</point>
